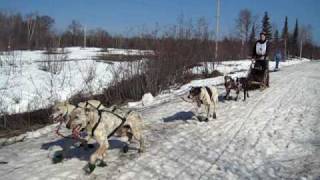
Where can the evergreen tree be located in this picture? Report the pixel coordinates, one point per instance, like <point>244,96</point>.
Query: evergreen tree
<point>266,26</point>
<point>285,32</point>
<point>294,41</point>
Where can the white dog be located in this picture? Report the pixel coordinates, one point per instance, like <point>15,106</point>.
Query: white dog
<point>206,96</point>
<point>100,124</point>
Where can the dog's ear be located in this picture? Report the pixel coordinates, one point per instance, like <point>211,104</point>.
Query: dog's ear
<point>197,90</point>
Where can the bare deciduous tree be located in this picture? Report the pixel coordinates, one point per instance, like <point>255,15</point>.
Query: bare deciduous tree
<point>31,25</point>
<point>243,25</point>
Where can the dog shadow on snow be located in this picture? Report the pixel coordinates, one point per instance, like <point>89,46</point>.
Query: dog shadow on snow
<point>186,115</point>
<point>67,148</point>
<point>221,98</point>
<point>182,115</point>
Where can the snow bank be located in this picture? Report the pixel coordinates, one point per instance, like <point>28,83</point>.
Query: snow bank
<point>25,85</point>
<point>29,135</point>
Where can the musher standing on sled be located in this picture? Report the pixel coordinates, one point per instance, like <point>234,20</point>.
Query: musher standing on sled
<point>260,54</point>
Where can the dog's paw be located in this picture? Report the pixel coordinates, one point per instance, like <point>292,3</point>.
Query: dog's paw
<point>125,149</point>
<point>202,118</point>
<point>89,168</point>
<point>57,157</point>
<point>214,116</point>
<point>101,163</point>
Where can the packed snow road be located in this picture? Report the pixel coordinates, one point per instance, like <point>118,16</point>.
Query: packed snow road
<point>275,134</point>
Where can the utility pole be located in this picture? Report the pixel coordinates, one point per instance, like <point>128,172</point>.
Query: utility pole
<point>84,37</point>
<point>217,28</point>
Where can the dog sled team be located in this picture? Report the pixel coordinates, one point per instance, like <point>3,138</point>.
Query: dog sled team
<point>91,120</point>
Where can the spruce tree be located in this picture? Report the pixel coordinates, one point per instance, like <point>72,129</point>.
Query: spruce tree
<point>266,26</point>
<point>294,41</point>
<point>285,32</point>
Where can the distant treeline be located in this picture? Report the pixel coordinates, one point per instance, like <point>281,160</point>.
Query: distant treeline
<point>34,31</point>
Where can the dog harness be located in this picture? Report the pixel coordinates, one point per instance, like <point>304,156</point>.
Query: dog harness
<point>123,120</point>
<point>87,103</point>
<point>209,91</point>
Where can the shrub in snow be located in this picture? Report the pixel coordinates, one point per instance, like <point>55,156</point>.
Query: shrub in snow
<point>53,63</point>
<point>147,99</point>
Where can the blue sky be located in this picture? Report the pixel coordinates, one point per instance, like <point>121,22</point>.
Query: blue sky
<point>121,16</point>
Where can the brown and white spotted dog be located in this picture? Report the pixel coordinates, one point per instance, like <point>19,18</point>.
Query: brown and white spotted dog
<point>240,84</point>
<point>206,96</point>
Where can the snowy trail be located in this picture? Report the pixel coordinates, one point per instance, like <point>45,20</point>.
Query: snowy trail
<point>275,134</point>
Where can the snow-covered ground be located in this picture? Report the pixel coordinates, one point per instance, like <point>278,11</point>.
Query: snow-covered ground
<point>275,134</point>
<point>25,85</point>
